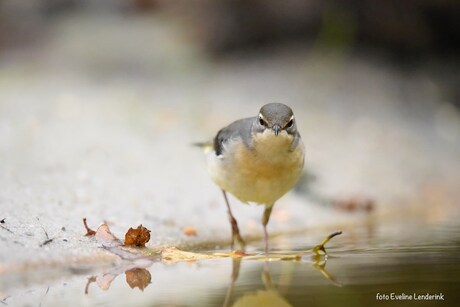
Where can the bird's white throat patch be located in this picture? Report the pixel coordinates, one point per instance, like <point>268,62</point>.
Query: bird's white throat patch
<point>272,146</point>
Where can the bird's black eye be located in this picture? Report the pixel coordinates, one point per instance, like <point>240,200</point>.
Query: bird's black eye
<point>261,121</point>
<point>290,123</point>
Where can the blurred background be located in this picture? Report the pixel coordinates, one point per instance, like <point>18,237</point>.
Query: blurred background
<point>100,101</point>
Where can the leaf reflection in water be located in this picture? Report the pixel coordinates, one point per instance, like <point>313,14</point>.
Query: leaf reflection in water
<point>136,264</point>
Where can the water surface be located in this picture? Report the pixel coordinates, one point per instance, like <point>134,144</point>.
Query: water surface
<point>371,266</point>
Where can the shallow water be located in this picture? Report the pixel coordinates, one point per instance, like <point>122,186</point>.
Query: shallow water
<point>365,266</point>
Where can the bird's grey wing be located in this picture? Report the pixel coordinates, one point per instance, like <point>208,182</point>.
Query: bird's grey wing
<point>296,141</point>
<point>239,129</point>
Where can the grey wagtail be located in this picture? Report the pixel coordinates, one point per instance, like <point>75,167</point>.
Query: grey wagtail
<point>258,160</point>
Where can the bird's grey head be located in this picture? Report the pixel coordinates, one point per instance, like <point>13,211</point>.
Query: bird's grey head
<point>277,117</point>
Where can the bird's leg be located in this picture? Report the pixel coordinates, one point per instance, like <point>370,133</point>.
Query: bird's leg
<point>235,230</point>
<point>236,264</point>
<point>265,219</point>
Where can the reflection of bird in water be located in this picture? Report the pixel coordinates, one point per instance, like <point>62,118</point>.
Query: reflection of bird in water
<point>258,160</point>
<point>268,297</point>
<point>271,296</point>
<point>262,298</point>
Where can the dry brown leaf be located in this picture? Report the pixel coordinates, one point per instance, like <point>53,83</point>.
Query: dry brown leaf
<point>138,236</point>
<point>189,231</point>
<point>104,281</point>
<point>105,237</point>
<point>138,277</point>
<point>89,282</point>
<point>89,231</point>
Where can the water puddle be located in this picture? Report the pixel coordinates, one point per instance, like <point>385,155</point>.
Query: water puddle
<point>417,263</point>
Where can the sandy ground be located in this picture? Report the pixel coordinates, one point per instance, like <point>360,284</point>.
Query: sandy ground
<point>101,127</point>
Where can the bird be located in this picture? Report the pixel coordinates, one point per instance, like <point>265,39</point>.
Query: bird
<point>257,160</point>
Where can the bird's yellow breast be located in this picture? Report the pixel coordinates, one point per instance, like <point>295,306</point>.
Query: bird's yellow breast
<point>261,173</point>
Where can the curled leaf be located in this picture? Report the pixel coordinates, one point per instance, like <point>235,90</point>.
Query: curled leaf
<point>104,281</point>
<point>138,278</point>
<point>89,231</point>
<point>105,237</point>
<point>138,236</point>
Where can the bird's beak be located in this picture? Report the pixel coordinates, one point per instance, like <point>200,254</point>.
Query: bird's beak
<point>276,128</point>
